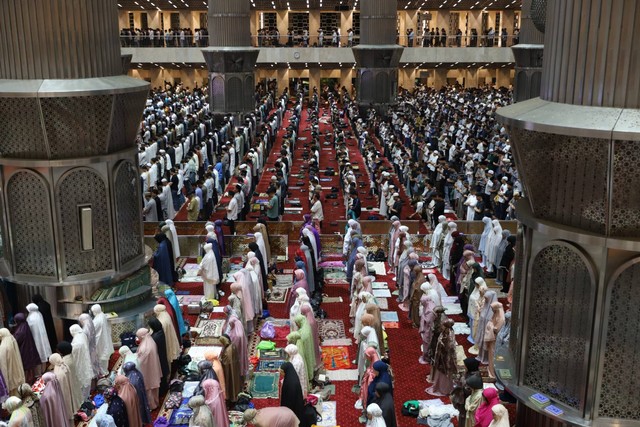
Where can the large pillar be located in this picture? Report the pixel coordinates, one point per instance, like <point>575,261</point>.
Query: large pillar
<point>377,56</point>
<point>575,302</point>
<point>230,58</point>
<point>70,186</point>
<point>528,51</point>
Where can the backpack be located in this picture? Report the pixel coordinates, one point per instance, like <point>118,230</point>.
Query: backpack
<point>411,408</point>
<point>380,256</point>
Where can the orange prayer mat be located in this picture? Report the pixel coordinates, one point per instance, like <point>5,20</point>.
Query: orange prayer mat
<point>336,357</point>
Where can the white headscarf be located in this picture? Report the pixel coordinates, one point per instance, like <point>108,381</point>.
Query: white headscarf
<point>500,416</point>
<point>104,342</point>
<point>263,249</point>
<point>208,268</point>
<point>173,236</point>
<point>298,364</point>
<point>81,356</point>
<point>173,345</point>
<point>374,411</point>
<point>39,332</point>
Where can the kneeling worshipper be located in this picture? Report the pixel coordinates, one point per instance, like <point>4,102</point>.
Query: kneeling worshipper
<point>271,417</point>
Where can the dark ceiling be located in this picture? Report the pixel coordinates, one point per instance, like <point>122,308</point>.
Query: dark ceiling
<point>328,5</point>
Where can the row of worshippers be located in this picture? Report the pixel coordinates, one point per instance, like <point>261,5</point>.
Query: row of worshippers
<point>25,355</point>
<point>445,149</point>
<point>375,377</point>
<point>422,297</point>
<point>181,148</point>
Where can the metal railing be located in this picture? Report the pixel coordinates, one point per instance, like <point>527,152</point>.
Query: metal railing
<point>279,41</point>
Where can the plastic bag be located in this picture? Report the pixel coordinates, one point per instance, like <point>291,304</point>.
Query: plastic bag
<point>268,331</point>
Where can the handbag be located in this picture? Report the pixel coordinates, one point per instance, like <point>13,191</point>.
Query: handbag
<point>411,408</point>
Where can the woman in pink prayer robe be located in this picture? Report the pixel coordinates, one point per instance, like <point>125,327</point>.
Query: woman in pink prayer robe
<point>214,398</point>
<point>149,366</point>
<point>52,402</point>
<point>300,282</point>
<point>239,342</point>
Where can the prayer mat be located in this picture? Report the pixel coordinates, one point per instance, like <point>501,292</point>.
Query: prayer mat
<point>328,415</point>
<point>332,264</point>
<point>383,303</point>
<point>378,267</point>
<point>335,273</point>
<point>379,285</point>
<point>461,328</point>
<point>344,375</point>
<point>270,365</point>
<point>197,352</point>
<point>338,342</point>
<point>287,270</point>
<point>329,300</point>
<point>276,354</point>
<point>264,385</point>
<point>391,325</point>
<point>336,282</point>
<point>330,329</point>
<point>382,293</point>
<point>181,416</point>
<point>284,280</point>
<point>389,316</point>
<point>210,331</point>
<point>335,358</point>
<point>278,295</point>
<point>452,309</point>
<point>277,322</point>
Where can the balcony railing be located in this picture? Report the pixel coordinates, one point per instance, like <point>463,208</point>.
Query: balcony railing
<point>270,40</point>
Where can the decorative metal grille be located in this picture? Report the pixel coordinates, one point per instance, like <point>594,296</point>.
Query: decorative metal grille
<point>566,177</point>
<point>21,133</point>
<point>77,126</point>
<point>617,399</point>
<point>625,212</point>
<point>126,119</point>
<point>217,93</point>
<point>539,14</point>
<point>129,228</point>
<point>78,188</point>
<point>31,225</point>
<point>559,325</point>
<point>329,21</point>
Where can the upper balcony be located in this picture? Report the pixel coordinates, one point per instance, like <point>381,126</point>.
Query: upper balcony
<point>459,50</point>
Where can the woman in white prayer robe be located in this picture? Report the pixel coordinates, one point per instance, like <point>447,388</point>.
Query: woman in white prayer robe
<point>81,359</point>
<point>39,332</point>
<point>104,342</point>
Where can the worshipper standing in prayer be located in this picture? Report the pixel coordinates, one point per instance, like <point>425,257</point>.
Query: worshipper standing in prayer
<point>39,332</point>
<point>208,270</point>
<point>104,343</point>
<point>117,408</point>
<point>484,413</point>
<point>86,323</point>
<point>297,361</point>
<point>62,372</point>
<point>214,398</point>
<point>130,398</point>
<point>28,350</point>
<point>161,346</point>
<point>173,345</point>
<point>163,261</point>
<point>31,401</point>
<point>150,368</point>
<point>52,402</point>
<point>81,359</point>
<point>374,416</point>
<point>45,309</point>
<point>384,399</point>
<point>291,391</point>
<point>231,368</point>
<point>137,381</point>
<point>65,349</point>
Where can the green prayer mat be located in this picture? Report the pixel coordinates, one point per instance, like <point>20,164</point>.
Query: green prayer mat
<point>264,385</point>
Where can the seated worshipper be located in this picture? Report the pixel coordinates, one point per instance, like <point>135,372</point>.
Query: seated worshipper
<point>271,417</point>
<point>28,350</point>
<point>137,381</point>
<point>150,368</point>
<point>202,416</point>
